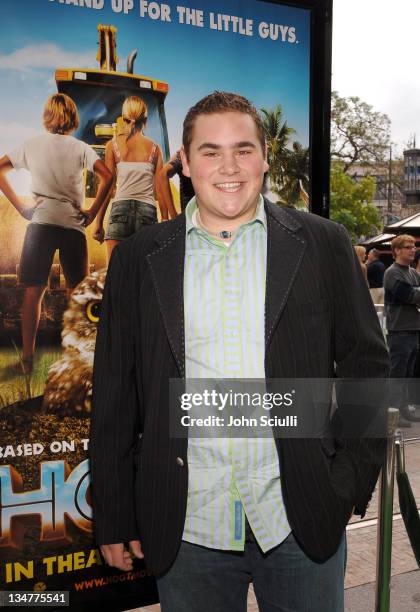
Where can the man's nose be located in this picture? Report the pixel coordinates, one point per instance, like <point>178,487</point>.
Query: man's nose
<point>229,164</point>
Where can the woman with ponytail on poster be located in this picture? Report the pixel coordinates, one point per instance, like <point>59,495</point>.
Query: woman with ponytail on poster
<point>56,161</point>
<point>135,162</point>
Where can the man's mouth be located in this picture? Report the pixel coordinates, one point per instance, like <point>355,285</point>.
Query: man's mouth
<point>228,187</point>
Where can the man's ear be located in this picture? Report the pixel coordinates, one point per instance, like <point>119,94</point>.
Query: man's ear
<point>266,166</point>
<point>185,165</point>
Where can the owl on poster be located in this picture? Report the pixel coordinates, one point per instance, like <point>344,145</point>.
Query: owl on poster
<point>69,383</point>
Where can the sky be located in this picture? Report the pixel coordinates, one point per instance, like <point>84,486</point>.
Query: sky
<point>192,60</point>
<point>375,57</point>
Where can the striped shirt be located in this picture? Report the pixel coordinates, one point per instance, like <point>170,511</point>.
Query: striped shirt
<point>224,298</point>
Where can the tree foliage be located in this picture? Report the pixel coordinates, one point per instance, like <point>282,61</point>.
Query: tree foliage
<point>289,168</point>
<point>277,134</point>
<point>296,178</point>
<point>351,203</point>
<point>359,135</point>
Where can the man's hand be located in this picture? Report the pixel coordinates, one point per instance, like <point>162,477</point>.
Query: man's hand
<point>116,555</point>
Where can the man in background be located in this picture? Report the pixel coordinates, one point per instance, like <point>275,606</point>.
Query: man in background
<point>375,276</point>
<point>402,303</point>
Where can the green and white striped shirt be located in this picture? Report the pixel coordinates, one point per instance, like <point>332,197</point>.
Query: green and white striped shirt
<point>224,299</point>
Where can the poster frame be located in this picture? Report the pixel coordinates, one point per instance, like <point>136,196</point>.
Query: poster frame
<point>321,12</point>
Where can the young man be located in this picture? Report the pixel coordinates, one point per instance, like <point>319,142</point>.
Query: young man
<point>234,288</point>
<point>402,303</point>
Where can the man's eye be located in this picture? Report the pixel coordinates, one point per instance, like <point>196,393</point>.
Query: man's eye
<point>210,154</point>
<point>244,152</point>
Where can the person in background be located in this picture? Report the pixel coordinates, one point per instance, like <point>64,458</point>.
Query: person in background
<point>415,386</point>
<point>186,189</point>
<point>56,161</point>
<point>402,303</point>
<point>375,275</point>
<point>361,256</point>
<point>135,161</point>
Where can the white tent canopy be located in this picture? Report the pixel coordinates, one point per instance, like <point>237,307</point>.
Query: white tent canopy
<point>383,239</point>
<point>411,222</point>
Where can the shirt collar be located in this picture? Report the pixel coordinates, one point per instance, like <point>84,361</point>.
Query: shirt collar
<point>260,216</point>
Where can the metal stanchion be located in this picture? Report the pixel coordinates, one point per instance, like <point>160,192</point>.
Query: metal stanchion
<point>399,440</point>
<point>384,537</point>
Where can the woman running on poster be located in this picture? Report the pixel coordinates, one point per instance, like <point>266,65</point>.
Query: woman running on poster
<point>56,162</point>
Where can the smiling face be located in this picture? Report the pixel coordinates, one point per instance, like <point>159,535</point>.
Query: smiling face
<point>226,164</point>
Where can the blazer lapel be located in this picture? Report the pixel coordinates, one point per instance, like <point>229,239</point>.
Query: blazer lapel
<point>167,267</point>
<point>285,250</point>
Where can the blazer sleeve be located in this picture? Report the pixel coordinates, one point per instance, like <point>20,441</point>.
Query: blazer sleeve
<point>115,414</point>
<point>360,353</point>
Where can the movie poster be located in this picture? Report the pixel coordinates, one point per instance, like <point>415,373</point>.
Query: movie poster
<point>99,52</point>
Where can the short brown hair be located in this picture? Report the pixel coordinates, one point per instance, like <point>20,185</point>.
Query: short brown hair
<point>220,102</point>
<point>60,114</point>
<point>399,242</point>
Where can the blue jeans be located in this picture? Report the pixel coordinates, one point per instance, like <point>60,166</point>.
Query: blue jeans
<point>285,579</point>
<point>127,217</point>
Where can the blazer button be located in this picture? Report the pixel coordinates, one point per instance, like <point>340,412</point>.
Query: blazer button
<point>180,461</point>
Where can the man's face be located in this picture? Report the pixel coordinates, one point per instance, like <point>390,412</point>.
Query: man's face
<point>405,254</point>
<point>226,165</point>
<point>371,256</point>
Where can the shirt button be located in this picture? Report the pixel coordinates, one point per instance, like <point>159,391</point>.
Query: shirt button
<point>180,461</point>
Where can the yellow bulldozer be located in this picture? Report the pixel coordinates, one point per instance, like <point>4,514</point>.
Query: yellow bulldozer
<point>99,95</point>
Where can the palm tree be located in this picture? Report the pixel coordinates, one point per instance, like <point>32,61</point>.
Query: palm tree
<point>296,176</point>
<point>277,134</point>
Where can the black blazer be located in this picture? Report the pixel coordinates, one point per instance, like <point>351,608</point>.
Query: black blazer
<point>319,318</point>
